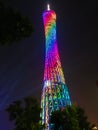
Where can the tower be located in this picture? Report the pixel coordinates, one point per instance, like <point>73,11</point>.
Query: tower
<point>55,93</point>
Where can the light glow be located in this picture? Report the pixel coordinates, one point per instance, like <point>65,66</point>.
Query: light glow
<point>48,7</point>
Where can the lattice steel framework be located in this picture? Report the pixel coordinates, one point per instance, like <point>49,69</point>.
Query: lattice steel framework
<point>55,93</point>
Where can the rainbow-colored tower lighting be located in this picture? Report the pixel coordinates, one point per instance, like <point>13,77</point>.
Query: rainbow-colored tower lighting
<point>55,93</point>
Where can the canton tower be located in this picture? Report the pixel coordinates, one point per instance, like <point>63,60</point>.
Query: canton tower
<point>55,93</point>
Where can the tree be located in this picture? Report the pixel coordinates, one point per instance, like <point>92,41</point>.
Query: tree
<point>65,119</point>
<point>83,119</point>
<point>70,118</point>
<point>25,114</point>
<point>13,26</point>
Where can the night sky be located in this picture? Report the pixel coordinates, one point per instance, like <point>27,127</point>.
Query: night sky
<point>22,64</point>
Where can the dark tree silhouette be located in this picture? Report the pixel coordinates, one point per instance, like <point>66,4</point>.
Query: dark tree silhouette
<point>83,119</point>
<point>13,26</point>
<point>70,118</point>
<point>25,114</point>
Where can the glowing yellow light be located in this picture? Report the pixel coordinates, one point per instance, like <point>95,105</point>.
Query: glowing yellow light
<point>94,128</point>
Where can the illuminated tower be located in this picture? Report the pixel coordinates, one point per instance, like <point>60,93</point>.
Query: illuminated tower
<point>55,93</point>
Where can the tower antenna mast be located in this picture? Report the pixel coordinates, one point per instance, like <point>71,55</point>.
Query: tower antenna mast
<point>48,7</point>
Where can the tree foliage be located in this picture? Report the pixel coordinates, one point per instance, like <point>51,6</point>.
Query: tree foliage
<point>70,118</point>
<point>13,26</point>
<point>83,119</point>
<point>25,114</point>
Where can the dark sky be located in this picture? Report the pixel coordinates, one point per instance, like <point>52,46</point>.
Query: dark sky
<point>22,64</point>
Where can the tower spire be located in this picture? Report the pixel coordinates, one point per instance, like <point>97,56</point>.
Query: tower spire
<point>48,7</point>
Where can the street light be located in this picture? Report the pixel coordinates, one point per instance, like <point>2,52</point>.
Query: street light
<point>95,128</point>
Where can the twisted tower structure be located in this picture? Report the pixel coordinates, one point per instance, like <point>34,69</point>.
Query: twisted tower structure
<point>55,93</point>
